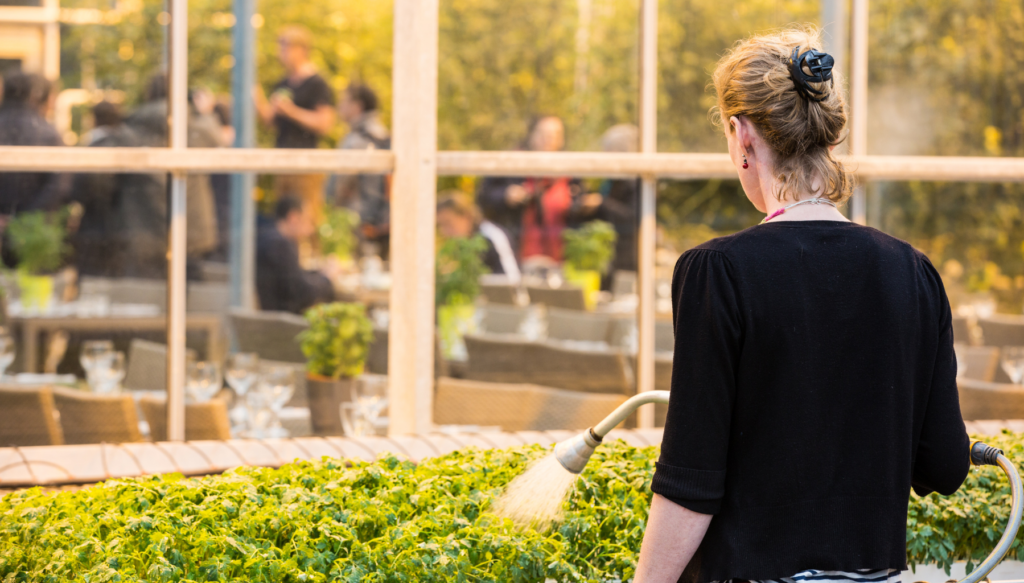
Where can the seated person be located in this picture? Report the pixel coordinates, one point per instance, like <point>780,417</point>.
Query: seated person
<point>281,283</point>
<point>457,216</point>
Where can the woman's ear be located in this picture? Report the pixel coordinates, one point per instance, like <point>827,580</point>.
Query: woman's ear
<point>745,133</point>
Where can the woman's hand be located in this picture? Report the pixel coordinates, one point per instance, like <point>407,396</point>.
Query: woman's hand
<point>673,535</point>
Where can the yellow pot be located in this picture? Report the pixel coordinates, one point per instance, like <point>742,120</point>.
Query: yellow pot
<point>589,281</point>
<point>36,290</point>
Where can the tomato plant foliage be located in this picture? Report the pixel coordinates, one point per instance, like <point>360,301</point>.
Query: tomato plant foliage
<point>393,521</point>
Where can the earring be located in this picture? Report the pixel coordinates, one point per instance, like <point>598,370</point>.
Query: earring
<point>745,165</point>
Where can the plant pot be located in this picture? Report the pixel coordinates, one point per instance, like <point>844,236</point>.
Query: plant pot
<point>325,398</point>
<point>36,290</point>
<point>588,280</point>
<point>453,323</point>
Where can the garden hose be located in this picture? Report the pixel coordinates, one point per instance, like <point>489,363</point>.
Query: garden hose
<point>575,452</point>
<point>986,455</point>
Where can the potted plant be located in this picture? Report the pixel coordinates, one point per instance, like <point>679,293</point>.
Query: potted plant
<point>337,233</point>
<point>459,267</point>
<point>37,239</point>
<point>336,345</point>
<point>588,253</point>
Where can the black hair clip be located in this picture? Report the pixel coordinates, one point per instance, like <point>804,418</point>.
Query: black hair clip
<point>820,65</point>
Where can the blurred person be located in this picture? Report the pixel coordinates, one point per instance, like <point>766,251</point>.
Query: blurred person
<point>616,202</point>
<point>106,118</point>
<point>281,282</point>
<point>458,217</point>
<point>533,211</point>
<point>813,377</point>
<point>366,194</point>
<point>26,97</point>
<point>131,208</point>
<point>301,110</point>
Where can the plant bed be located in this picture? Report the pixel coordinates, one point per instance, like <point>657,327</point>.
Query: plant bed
<point>395,521</point>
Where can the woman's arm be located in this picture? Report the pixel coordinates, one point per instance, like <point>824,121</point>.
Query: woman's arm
<point>673,535</point>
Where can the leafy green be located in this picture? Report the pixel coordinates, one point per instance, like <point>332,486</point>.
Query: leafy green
<point>37,238</point>
<point>590,247</point>
<point>459,267</point>
<point>393,521</point>
<point>338,339</point>
<point>337,233</point>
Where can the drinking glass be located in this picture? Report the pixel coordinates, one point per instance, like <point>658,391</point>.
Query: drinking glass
<point>203,380</point>
<point>371,394</point>
<point>6,352</point>
<point>242,372</point>
<point>353,420</point>
<point>1013,363</point>
<point>106,376</point>
<point>275,387</point>
<point>93,352</point>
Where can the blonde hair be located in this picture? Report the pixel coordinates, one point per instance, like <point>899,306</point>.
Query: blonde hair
<point>753,80</point>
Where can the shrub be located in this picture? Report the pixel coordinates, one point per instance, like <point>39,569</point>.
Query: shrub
<point>338,340</point>
<point>459,267</point>
<point>394,521</point>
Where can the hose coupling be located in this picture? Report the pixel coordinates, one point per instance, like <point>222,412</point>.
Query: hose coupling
<point>983,454</point>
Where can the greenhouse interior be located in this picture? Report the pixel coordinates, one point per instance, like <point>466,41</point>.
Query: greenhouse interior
<point>400,290</point>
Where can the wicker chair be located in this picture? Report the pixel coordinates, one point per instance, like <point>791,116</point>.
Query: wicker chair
<point>500,319</point>
<point>203,421</point>
<point>981,400</point>
<point>128,290</point>
<point>500,293</point>
<point>961,330</point>
<point>518,407</point>
<point>980,362</point>
<point>88,418</point>
<point>208,297</point>
<point>28,417</point>
<point>576,325</point>
<point>623,283</point>
<point>570,298</point>
<point>498,360</point>
<point>1002,330</point>
<point>147,365</point>
<point>272,335</point>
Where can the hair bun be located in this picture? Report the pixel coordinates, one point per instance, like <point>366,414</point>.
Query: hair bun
<point>819,64</point>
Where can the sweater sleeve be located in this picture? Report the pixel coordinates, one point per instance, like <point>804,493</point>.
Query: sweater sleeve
<point>708,330</point>
<point>942,459</point>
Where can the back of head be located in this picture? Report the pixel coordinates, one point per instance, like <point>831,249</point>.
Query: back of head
<point>106,113</point>
<point>459,203</point>
<point>296,35</point>
<point>286,205</point>
<point>25,89</point>
<point>364,96</point>
<point>799,120</point>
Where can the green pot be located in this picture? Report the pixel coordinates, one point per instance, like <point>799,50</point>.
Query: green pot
<point>454,322</point>
<point>36,290</point>
<point>588,280</point>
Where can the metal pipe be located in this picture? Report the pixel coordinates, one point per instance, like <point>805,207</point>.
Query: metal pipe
<point>982,454</point>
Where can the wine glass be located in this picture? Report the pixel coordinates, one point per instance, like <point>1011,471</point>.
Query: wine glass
<point>353,420</point>
<point>275,387</point>
<point>95,356</point>
<point>6,352</point>
<point>203,380</point>
<point>1013,363</point>
<point>107,374</point>
<point>243,370</point>
<point>371,396</point>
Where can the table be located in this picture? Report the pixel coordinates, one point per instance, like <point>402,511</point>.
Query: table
<point>32,327</point>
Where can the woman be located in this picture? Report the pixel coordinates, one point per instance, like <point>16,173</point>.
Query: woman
<point>814,380</point>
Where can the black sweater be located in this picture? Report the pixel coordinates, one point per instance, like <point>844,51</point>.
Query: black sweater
<point>814,382</point>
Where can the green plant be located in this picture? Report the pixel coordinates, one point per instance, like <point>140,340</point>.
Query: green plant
<point>337,341</point>
<point>37,239</point>
<point>393,521</point>
<point>590,247</point>
<point>459,267</point>
<point>338,232</point>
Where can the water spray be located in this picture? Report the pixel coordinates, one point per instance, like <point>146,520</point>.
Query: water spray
<point>574,453</point>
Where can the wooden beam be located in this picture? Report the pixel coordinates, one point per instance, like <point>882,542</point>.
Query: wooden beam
<point>413,208</point>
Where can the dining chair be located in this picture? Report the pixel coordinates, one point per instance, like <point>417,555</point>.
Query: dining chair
<point>983,400</point>
<point>1002,330</point>
<point>568,297</point>
<point>203,421</point>
<point>147,365</point>
<point>961,330</point>
<point>89,418</point>
<point>28,416</point>
<point>623,283</point>
<point>131,290</point>
<point>980,362</point>
<point>517,406</point>
<point>500,293</point>
<point>566,324</point>
<point>272,335</point>
<point>503,319</point>
<point>210,297</point>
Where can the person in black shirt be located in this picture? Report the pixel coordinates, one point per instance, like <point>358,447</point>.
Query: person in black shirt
<point>301,109</point>
<point>814,379</point>
<point>281,283</point>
